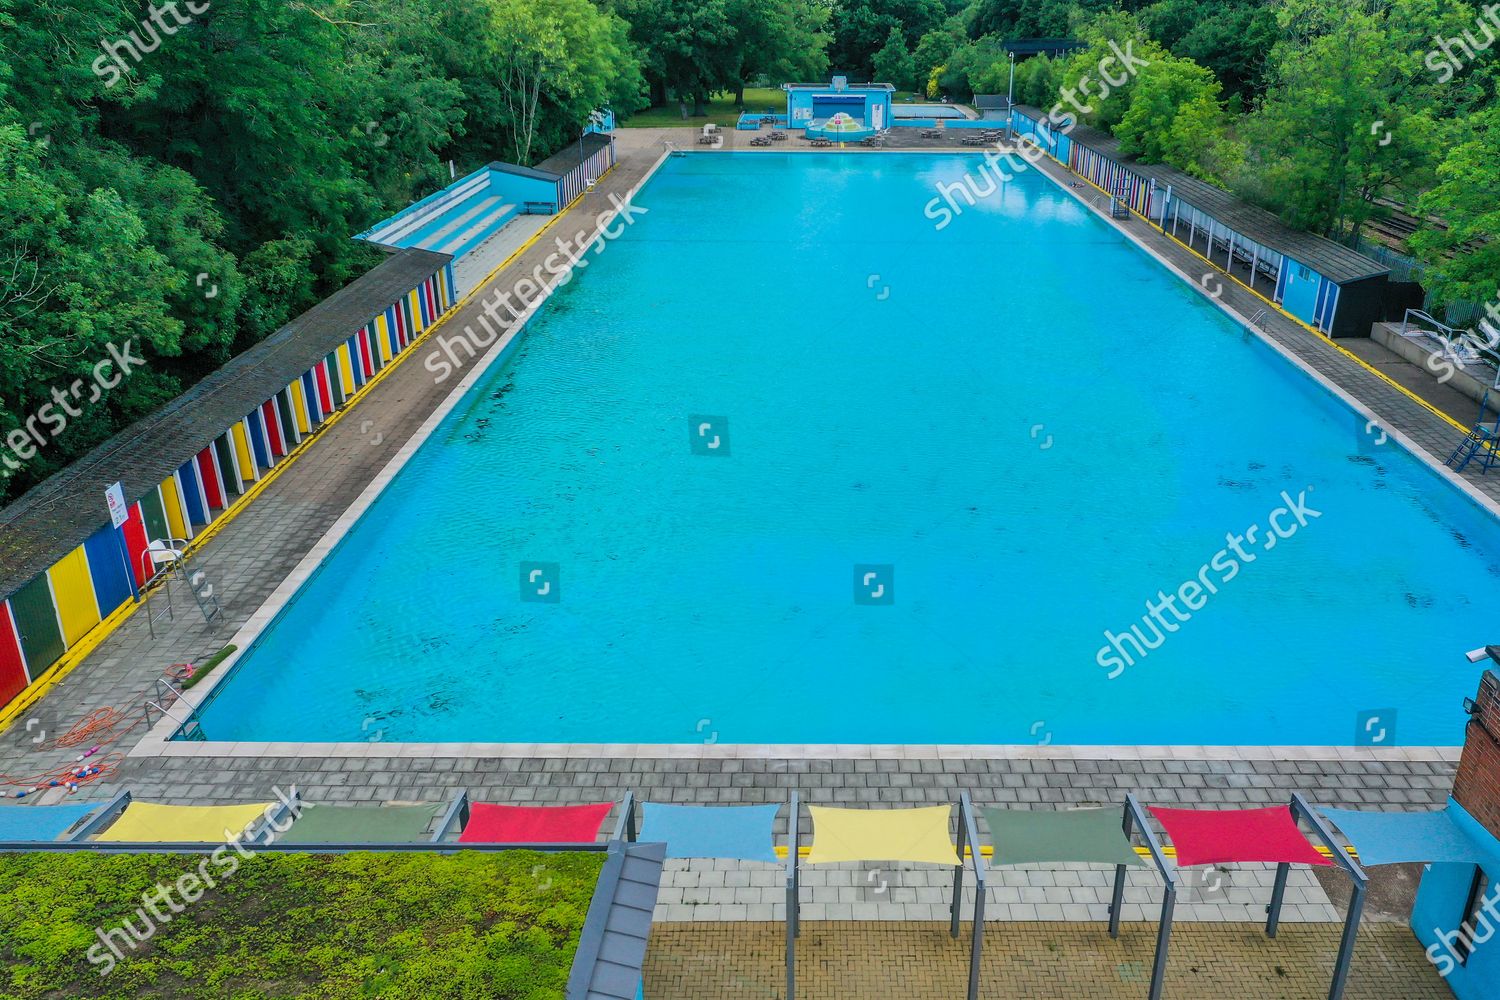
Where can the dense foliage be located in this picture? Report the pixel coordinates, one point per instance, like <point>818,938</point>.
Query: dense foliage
<point>206,193</point>
<point>210,193</point>
<point>500,925</point>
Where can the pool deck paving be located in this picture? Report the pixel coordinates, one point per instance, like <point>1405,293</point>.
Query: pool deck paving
<point>252,556</point>
<point>844,960</point>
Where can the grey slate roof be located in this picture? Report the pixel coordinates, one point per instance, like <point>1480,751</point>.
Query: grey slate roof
<point>55,517</point>
<point>612,947</point>
<point>1328,258</point>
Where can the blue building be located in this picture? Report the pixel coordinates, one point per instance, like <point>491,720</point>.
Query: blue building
<point>1457,912</point>
<point>813,104</point>
<point>1326,285</point>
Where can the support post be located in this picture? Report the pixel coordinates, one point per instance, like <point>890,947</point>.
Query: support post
<point>1116,903</point>
<point>101,819</point>
<point>1169,896</point>
<point>792,918</point>
<point>958,875</point>
<point>266,829</point>
<point>457,811</point>
<point>625,825</point>
<point>1273,918</point>
<point>1163,940</point>
<point>1118,900</point>
<point>967,824</point>
<point>1359,883</point>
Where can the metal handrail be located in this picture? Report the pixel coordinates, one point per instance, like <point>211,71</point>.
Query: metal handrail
<point>1486,347</point>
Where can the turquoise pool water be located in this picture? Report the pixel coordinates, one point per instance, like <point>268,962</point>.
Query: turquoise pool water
<point>1028,429</point>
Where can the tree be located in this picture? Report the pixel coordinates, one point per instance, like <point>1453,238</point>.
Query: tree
<point>894,63</point>
<point>1347,114</point>
<point>1233,38</point>
<point>976,67</point>
<point>1174,115</point>
<point>862,27</point>
<point>1096,84</point>
<point>936,47</point>
<point>1037,81</point>
<point>784,40</point>
<point>205,194</point>
<point>691,45</point>
<point>1464,258</point>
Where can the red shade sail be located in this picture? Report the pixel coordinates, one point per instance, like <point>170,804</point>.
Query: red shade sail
<point>496,824</point>
<point>1231,836</point>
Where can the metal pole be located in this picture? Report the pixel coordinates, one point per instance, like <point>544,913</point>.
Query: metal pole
<point>1116,904</point>
<point>1163,939</point>
<point>958,875</point>
<point>1346,943</point>
<point>791,900</point>
<point>625,825</point>
<point>1169,898</point>
<point>101,819</point>
<point>1360,882</point>
<point>457,811</point>
<point>976,946</point>
<point>1010,93</point>
<point>976,943</point>
<point>1274,910</point>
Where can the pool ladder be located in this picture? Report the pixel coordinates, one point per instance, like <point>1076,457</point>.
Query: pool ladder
<point>164,694</point>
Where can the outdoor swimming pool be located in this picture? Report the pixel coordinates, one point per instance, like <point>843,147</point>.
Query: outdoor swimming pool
<point>1021,425</point>
<point>926,111</point>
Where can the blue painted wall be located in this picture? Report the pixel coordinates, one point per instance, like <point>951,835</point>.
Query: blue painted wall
<point>872,107</point>
<point>107,567</point>
<point>1299,293</point>
<point>1439,910</point>
<point>188,472</point>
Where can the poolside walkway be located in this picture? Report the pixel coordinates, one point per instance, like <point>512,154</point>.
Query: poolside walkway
<point>253,554</point>
<point>856,961</point>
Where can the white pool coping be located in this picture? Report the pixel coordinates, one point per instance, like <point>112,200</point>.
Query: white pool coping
<point>158,742</point>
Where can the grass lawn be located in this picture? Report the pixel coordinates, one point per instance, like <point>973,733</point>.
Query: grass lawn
<point>297,925</point>
<point>721,110</point>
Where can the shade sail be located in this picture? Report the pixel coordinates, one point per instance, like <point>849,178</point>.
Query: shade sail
<point>497,824</point>
<point>1089,836</point>
<point>1232,836</point>
<point>320,824</point>
<point>150,822</point>
<point>1390,838</point>
<point>918,835</point>
<point>741,833</point>
<point>41,822</point>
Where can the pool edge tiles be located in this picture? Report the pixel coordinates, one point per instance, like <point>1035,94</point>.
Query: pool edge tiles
<point>156,744</point>
<point>250,635</point>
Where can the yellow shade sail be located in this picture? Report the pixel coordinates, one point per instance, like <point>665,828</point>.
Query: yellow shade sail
<point>917,835</point>
<point>149,822</point>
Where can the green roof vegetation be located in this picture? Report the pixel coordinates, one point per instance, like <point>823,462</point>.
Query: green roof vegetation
<point>496,925</point>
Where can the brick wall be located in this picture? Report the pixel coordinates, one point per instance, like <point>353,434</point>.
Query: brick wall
<point>1477,787</point>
